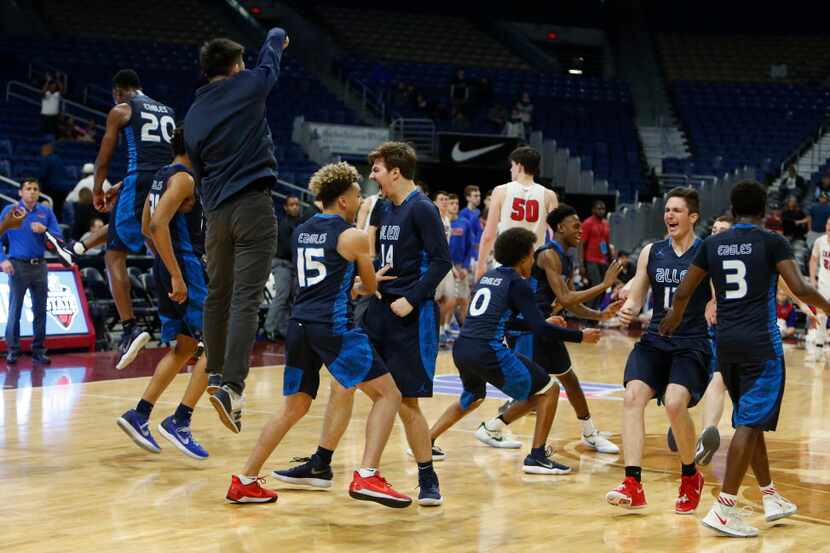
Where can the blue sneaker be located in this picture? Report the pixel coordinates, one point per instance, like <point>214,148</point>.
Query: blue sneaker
<point>181,437</point>
<point>138,429</point>
<point>306,474</point>
<point>443,342</point>
<point>429,495</point>
<point>454,330</point>
<point>534,465</point>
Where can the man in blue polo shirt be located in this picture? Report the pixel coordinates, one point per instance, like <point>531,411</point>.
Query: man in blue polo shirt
<point>26,268</point>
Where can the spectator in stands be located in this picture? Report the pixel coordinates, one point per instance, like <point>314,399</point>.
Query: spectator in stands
<point>786,313</point>
<point>773,222</point>
<point>95,227</point>
<point>823,186</point>
<point>595,247</point>
<point>525,109</point>
<point>497,117</point>
<point>26,268</point>
<point>83,214</point>
<point>819,213</point>
<point>794,220</point>
<point>423,106</point>
<point>459,90</point>
<point>284,271</point>
<point>53,177</point>
<point>460,122</point>
<point>50,106</point>
<point>400,96</point>
<point>483,94</point>
<point>515,127</point>
<point>87,181</point>
<point>792,184</point>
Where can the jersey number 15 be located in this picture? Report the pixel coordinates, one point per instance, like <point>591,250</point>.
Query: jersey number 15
<point>310,268</point>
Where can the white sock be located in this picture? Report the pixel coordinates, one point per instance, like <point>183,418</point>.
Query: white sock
<point>769,489</point>
<point>727,499</point>
<point>79,248</point>
<point>495,425</point>
<point>366,473</point>
<point>588,427</point>
<point>246,479</point>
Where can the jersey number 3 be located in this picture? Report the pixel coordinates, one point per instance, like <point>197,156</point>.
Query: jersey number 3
<point>734,272</point>
<point>310,268</point>
<point>525,210</point>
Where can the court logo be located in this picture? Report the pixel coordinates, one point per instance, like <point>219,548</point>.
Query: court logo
<point>61,303</point>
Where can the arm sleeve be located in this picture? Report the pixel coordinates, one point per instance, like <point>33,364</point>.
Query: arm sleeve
<point>4,240</point>
<point>521,298</point>
<point>779,249</point>
<point>457,248</point>
<point>701,259</point>
<point>431,230</point>
<point>268,61</point>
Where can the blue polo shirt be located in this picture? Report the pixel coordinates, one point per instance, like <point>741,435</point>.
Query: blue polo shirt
<point>23,242</point>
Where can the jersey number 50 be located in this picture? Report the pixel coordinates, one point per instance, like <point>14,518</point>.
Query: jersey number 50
<point>310,269</point>
<point>525,210</point>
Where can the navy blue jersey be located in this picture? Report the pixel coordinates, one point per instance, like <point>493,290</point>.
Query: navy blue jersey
<point>500,295</point>
<point>742,265</point>
<point>324,276</point>
<point>148,134</point>
<point>539,279</point>
<point>186,229</point>
<point>665,271</point>
<point>412,241</point>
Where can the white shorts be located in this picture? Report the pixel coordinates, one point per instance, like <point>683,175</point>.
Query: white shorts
<point>446,288</point>
<point>462,287</point>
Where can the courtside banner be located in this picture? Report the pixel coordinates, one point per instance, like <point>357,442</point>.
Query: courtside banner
<point>347,139</point>
<point>68,322</point>
<point>476,150</point>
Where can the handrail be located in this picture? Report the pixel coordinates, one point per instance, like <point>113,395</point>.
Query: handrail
<point>61,75</point>
<point>92,92</point>
<point>17,185</point>
<point>64,103</point>
<point>369,97</point>
<point>285,196</point>
<point>300,189</point>
<point>8,199</point>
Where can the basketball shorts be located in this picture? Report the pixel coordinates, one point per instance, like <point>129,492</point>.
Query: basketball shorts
<point>124,231</point>
<point>461,288</point>
<point>658,362</point>
<point>408,345</point>
<point>756,390</point>
<point>181,319</point>
<point>482,362</point>
<point>349,357</point>
<point>551,355</point>
<point>446,288</point>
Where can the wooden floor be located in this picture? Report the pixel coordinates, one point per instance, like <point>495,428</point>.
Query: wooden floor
<point>71,481</point>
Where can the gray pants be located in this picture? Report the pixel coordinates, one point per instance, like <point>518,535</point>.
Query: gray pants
<point>285,284</point>
<point>596,272</point>
<point>240,242</point>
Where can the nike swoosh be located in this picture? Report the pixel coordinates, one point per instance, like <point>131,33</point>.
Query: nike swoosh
<point>722,520</point>
<point>317,471</point>
<point>459,157</point>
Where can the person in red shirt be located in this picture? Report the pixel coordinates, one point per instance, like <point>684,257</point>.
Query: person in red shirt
<point>595,247</point>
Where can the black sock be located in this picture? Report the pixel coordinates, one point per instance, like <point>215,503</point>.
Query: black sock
<point>538,453</point>
<point>183,414</point>
<point>425,469</point>
<point>322,456</point>
<point>128,325</point>
<point>688,470</point>
<point>144,408</point>
<point>236,388</point>
<point>633,471</point>
<point>501,418</point>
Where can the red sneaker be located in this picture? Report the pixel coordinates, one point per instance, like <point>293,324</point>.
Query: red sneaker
<point>629,494</point>
<point>376,488</point>
<point>249,493</point>
<point>689,495</point>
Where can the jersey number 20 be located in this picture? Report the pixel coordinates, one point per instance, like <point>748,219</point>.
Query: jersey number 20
<point>150,129</point>
<point>525,210</point>
<point>310,268</point>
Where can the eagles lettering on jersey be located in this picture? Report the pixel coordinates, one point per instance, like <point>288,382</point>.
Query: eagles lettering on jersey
<point>186,229</point>
<point>325,277</point>
<point>148,134</point>
<point>490,308</point>
<point>539,279</point>
<point>742,263</point>
<point>665,272</point>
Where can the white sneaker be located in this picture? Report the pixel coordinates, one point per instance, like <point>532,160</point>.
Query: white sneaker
<point>437,453</point>
<point>728,521</point>
<point>776,507</point>
<point>500,439</point>
<point>600,443</point>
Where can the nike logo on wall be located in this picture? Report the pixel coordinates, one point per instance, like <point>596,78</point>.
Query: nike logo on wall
<point>459,156</point>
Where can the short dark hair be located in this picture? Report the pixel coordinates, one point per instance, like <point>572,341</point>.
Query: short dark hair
<point>30,180</point>
<point>513,245</point>
<point>725,219</point>
<point>177,142</point>
<point>528,158</point>
<point>623,253</point>
<point>396,155</point>
<point>217,56</point>
<point>598,203</point>
<point>332,181</point>
<point>562,212</point>
<point>689,195</point>
<point>749,199</point>
<point>470,188</point>
<point>452,196</point>
<point>126,79</point>
<point>441,193</point>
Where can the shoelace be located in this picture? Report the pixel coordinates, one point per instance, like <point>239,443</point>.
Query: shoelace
<point>300,460</point>
<point>186,433</point>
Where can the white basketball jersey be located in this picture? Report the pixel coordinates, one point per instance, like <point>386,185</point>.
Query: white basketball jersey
<point>447,227</point>
<point>821,248</point>
<point>372,200</point>
<point>524,207</point>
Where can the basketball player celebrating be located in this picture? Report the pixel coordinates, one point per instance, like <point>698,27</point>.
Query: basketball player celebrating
<point>674,370</point>
<point>482,357</point>
<point>520,203</point>
<point>148,127</point>
<point>327,251</point>
<point>172,220</point>
<point>744,264</point>
<point>820,279</point>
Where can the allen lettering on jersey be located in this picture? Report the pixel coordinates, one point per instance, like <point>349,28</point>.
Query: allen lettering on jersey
<point>669,276</point>
<point>306,238</point>
<point>735,249</point>
<point>490,281</point>
<point>390,232</point>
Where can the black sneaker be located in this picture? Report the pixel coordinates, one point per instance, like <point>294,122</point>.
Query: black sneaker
<point>11,359</point>
<point>132,343</point>
<point>306,474</point>
<point>429,493</point>
<point>214,383</point>
<point>41,359</point>
<point>707,445</point>
<point>228,405</point>
<point>56,246</point>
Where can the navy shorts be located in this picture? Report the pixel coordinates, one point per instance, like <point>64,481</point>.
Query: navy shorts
<point>348,356</point>
<point>124,231</point>
<point>756,390</point>
<point>658,362</point>
<point>551,355</point>
<point>408,345</point>
<point>183,319</point>
<point>481,362</point>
